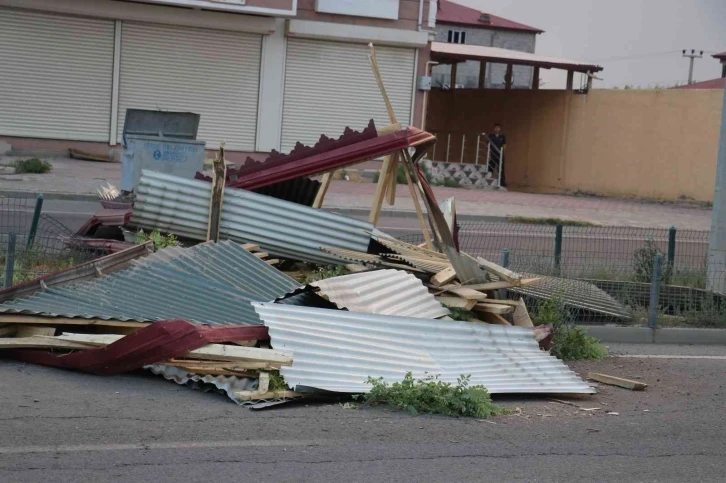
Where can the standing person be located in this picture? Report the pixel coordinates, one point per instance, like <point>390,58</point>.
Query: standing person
<point>496,156</point>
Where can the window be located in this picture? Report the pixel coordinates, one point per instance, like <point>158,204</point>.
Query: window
<point>457,37</point>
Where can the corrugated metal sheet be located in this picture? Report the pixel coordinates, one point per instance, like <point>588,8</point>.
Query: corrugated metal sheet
<point>56,76</point>
<point>338,351</point>
<point>207,284</point>
<point>326,155</point>
<point>213,73</point>
<point>446,51</point>
<point>428,265</point>
<point>283,229</point>
<point>387,292</point>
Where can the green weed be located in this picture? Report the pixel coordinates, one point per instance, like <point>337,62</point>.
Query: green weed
<point>569,342</point>
<point>432,396</point>
<point>160,240</point>
<point>323,272</point>
<point>549,221</point>
<point>32,166</point>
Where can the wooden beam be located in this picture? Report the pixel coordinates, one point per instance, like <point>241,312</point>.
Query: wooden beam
<point>589,81</point>
<point>41,342</point>
<point>250,247</point>
<point>379,80</point>
<point>535,79</point>
<point>521,316</point>
<point>495,319</point>
<point>454,72</point>
<point>53,321</point>
<point>407,165</point>
<point>324,185</point>
<point>494,308</point>
<point>392,182</point>
<point>509,77</point>
<point>389,129</point>
<point>468,294</point>
<point>499,271</point>
<point>443,277</point>
<point>381,189</point>
<point>456,302</point>
<point>617,381</point>
<point>33,330</point>
<point>570,80</point>
<point>216,198</point>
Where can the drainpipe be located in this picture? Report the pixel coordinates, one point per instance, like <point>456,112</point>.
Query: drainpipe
<point>420,14</point>
<point>433,8</point>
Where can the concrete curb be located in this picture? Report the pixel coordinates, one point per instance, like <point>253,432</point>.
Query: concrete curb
<point>49,195</point>
<point>644,335</point>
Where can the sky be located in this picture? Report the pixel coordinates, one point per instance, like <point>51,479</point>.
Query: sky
<point>638,42</point>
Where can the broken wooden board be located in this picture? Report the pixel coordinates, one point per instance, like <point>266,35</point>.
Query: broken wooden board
<point>495,319</point>
<point>521,316</point>
<point>456,302</point>
<point>493,308</point>
<point>33,330</point>
<point>499,271</point>
<point>443,277</point>
<point>468,294</point>
<point>41,342</point>
<point>617,381</point>
<point>502,285</point>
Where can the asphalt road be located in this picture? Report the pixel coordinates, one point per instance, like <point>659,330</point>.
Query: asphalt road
<point>63,426</point>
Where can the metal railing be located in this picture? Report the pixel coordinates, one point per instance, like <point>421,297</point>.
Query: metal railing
<point>468,148</point>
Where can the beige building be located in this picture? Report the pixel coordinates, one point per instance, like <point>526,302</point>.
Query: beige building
<point>263,74</point>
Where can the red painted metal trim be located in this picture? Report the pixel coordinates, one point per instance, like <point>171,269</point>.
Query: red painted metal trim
<point>327,155</point>
<point>156,343</point>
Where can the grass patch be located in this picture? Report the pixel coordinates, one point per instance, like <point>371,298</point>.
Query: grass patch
<point>432,396</point>
<point>550,221</point>
<point>31,166</point>
<point>277,382</point>
<point>322,272</point>
<point>457,313</point>
<point>160,240</point>
<point>569,342</point>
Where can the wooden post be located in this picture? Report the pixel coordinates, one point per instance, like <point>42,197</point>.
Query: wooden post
<point>482,74</point>
<point>570,79</point>
<point>535,79</point>
<point>509,77</point>
<point>219,178</point>
<point>379,80</point>
<point>383,183</point>
<point>452,82</point>
<point>589,81</point>
<point>324,185</point>
<point>392,182</point>
<point>416,204</point>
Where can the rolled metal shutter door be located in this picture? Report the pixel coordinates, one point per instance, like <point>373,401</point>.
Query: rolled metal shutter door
<point>213,73</point>
<point>330,85</point>
<point>55,76</point>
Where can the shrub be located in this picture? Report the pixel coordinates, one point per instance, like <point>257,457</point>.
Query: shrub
<point>32,165</point>
<point>569,342</point>
<point>643,261</point>
<point>160,240</point>
<point>432,396</point>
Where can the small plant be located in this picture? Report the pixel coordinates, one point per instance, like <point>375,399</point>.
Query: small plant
<point>323,272</point>
<point>458,313</point>
<point>160,240</point>
<point>32,166</point>
<point>549,221</point>
<point>277,382</point>
<point>432,396</point>
<point>569,342</point>
<point>644,260</point>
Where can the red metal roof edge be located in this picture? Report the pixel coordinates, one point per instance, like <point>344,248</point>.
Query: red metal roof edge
<point>722,55</point>
<point>451,13</point>
<point>533,63</point>
<point>156,343</point>
<point>718,83</point>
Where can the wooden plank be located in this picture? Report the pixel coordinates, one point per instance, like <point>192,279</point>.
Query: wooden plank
<point>617,381</point>
<point>216,198</point>
<point>499,271</point>
<point>380,190</point>
<point>495,319</point>
<point>322,191</point>
<point>55,321</point>
<point>416,204</point>
<point>468,293</point>
<point>215,352</point>
<point>272,261</point>
<point>389,129</point>
<point>261,254</point>
<point>392,182</point>
<point>443,277</point>
<point>521,316</point>
<point>41,342</point>
<point>250,247</point>
<point>501,285</point>
<point>33,330</point>
<point>379,80</point>
<point>456,302</point>
<point>494,308</point>
<point>8,330</point>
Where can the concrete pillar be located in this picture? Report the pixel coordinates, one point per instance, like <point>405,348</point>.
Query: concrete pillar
<point>482,74</point>
<point>717,243</point>
<point>570,80</point>
<point>535,79</point>
<point>509,77</point>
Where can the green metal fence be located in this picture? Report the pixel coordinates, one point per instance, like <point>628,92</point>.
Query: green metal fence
<point>619,261</point>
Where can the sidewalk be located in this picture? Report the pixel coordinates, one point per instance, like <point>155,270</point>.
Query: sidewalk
<point>78,180</point>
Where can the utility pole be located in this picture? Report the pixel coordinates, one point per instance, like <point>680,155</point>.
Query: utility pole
<point>717,242</point>
<point>693,56</point>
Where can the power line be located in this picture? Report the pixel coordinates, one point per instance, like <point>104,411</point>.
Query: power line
<point>638,56</point>
<point>692,56</point>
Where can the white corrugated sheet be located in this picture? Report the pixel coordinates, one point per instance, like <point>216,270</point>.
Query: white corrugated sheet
<point>386,292</point>
<point>338,350</point>
<point>283,229</point>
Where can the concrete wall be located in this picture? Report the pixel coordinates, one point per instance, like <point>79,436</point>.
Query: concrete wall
<point>468,72</point>
<point>407,15</point>
<point>656,144</point>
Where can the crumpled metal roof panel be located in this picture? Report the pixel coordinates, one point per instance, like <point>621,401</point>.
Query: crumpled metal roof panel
<point>338,350</point>
<point>206,284</point>
<point>388,292</point>
<point>283,229</point>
